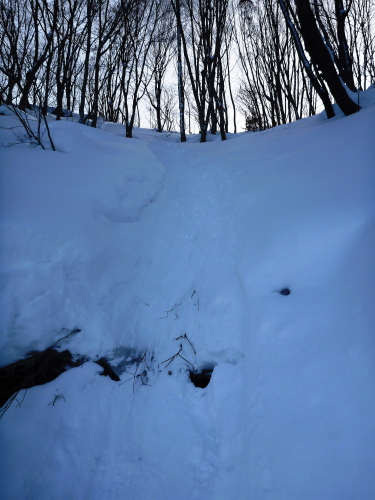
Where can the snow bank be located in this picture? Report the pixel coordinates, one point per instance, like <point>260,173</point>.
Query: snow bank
<point>62,218</point>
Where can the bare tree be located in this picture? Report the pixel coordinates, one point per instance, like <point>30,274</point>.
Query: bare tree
<point>159,58</point>
<point>201,25</point>
<point>91,9</point>
<point>44,18</point>
<point>273,89</point>
<point>16,36</point>
<point>322,68</point>
<point>69,40</point>
<point>181,87</point>
<point>361,41</point>
<point>135,46</point>
<point>107,28</point>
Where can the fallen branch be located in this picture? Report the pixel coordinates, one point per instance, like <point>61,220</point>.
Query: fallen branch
<point>187,338</point>
<point>178,354</point>
<point>57,397</point>
<point>73,332</point>
<point>136,375</point>
<point>170,310</point>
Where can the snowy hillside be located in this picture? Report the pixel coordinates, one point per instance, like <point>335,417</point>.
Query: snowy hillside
<point>153,248</point>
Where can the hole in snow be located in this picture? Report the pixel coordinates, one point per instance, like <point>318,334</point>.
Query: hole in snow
<point>202,376</point>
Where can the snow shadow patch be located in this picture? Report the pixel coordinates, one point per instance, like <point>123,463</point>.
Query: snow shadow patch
<point>201,377</point>
<point>40,367</point>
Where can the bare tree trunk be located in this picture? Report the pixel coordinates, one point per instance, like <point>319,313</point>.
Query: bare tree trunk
<point>96,88</point>
<point>38,59</point>
<point>318,85</point>
<point>346,64</point>
<point>47,83</point>
<point>86,63</point>
<point>230,92</point>
<point>321,57</point>
<point>181,94</point>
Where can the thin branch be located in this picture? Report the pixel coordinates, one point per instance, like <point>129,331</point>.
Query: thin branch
<point>170,310</point>
<point>136,375</point>
<point>49,133</point>
<point>57,397</point>
<point>22,400</point>
<point>73,332</point>
<point>187,338</point>
<point>169,360</point>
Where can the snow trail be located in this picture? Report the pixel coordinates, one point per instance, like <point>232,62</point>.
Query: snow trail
<point>194,251</point>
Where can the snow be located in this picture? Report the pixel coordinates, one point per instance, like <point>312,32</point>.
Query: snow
<point>138,242</point>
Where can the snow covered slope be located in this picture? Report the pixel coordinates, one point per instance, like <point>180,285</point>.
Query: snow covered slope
<point>148,246</point>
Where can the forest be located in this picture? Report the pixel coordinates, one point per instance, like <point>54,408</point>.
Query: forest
<point>186,64</point>
<point>187,247</point>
